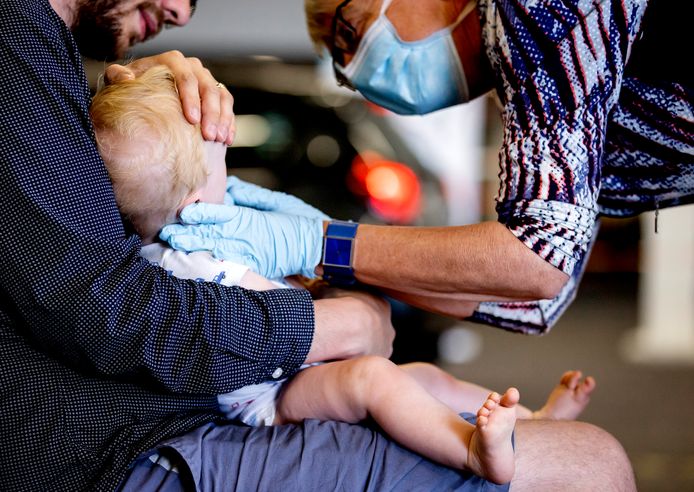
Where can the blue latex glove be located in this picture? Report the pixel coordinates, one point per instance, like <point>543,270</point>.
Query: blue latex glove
<point>273,244</point>
<point>249,195</point>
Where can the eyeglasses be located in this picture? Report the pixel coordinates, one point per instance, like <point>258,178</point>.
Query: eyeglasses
<point>344,40</point>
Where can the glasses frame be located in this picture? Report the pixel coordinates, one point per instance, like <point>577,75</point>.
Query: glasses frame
<point>345,39</point>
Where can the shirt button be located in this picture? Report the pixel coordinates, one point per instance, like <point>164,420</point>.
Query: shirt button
<point>278,372</point>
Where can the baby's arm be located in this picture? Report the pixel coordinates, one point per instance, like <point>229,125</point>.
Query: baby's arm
<point>253,281</point>
<point>202,266</point>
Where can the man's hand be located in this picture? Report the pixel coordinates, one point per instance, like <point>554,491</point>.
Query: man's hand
<point>351,323</point>
<point>204,100</point>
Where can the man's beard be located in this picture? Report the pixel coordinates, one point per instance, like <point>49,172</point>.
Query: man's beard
<point>97,29</point>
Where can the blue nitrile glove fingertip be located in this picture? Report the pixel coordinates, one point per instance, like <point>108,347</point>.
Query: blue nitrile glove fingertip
<point>251,195</point>
<point>233,184</point>
<point>193,214</point>
<point>232,181</point>
<point>207,213</point>
<point>170,230</point>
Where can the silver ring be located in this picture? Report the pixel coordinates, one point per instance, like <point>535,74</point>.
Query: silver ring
<point>221,86</point>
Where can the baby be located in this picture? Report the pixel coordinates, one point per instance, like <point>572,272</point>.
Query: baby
<point>159,163</point>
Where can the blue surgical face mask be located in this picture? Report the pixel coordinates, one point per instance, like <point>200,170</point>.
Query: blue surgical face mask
<point>408,77</point>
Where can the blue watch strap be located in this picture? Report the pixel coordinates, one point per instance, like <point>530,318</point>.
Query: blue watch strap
<point>338,247</point>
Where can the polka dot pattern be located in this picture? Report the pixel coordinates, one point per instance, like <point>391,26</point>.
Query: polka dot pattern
<point>102,355</point>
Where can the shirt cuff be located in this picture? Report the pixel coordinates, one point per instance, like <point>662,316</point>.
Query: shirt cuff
<point>289,328</point>
<point>558,232</point>
<point>535,317</point>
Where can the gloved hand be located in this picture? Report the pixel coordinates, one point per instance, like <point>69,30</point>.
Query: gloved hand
<point>250,195</point>
<point>273,244</point>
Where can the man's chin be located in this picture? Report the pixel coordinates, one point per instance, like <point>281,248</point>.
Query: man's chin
<point>103,51</point>
<point>98,31</point>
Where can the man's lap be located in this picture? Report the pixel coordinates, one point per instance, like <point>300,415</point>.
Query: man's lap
<point>312,456</point>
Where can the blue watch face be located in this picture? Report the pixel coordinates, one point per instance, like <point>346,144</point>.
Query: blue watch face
<point>337,252</point>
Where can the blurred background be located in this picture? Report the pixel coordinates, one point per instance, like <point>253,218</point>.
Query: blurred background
<point>632,325</point>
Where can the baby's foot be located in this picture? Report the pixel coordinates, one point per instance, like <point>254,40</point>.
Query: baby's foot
<point>568,399</point>
<point>490,453</point>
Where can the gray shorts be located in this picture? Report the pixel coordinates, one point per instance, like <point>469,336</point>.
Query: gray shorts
<point>314,456</point>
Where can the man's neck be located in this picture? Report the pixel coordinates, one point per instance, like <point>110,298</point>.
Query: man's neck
<point>66,10</point>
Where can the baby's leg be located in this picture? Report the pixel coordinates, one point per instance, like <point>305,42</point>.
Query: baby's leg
<point>568,399</point>
<point>355,389</point>
<point>460,396</point>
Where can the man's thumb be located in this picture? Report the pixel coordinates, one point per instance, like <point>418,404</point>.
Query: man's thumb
<point>117,73</point>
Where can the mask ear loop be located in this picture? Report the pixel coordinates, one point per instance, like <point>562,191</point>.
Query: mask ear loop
<point>384,6</point>
<point>469,7</point>
<point>344,38</point>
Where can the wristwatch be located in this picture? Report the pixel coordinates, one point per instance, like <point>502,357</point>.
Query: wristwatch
<point>338,247</point>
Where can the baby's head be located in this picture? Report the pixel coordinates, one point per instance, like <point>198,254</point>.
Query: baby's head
<point>158,162</point>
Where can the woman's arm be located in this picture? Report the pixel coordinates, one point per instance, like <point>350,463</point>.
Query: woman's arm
<point>466,263</point>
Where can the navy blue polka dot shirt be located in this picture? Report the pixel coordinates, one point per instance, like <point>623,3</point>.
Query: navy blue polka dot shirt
<point>101,354</point>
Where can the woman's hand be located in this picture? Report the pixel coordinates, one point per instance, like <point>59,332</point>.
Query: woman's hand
<point>273,244</point>
<point>204,100</point>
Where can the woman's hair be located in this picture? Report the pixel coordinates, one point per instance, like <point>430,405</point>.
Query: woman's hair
<point>320,14</point>
<point>154,156</point>
<point>319,19</point>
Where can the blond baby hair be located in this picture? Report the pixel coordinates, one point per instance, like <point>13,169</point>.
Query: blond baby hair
<point>154,156</point>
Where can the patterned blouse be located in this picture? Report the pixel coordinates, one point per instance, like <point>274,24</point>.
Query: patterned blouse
<point>584,135</point>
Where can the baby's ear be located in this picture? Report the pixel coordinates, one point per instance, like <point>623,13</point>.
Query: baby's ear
<point>192,197</point>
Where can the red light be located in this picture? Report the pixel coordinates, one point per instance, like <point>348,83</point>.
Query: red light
<point>356,180</point>
<point>383,183</point>
<point>392,189</point>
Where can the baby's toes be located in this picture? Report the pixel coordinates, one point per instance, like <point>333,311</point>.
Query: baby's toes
<point>586,387</point>
<point>490,404</point>
<point>483,412</point>
<point>570,379</point>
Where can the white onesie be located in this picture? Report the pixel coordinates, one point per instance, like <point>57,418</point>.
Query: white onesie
<point>254,405</point>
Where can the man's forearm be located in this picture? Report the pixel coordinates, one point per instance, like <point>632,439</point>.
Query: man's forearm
<point>466,263</point>
<point>351,325</point>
